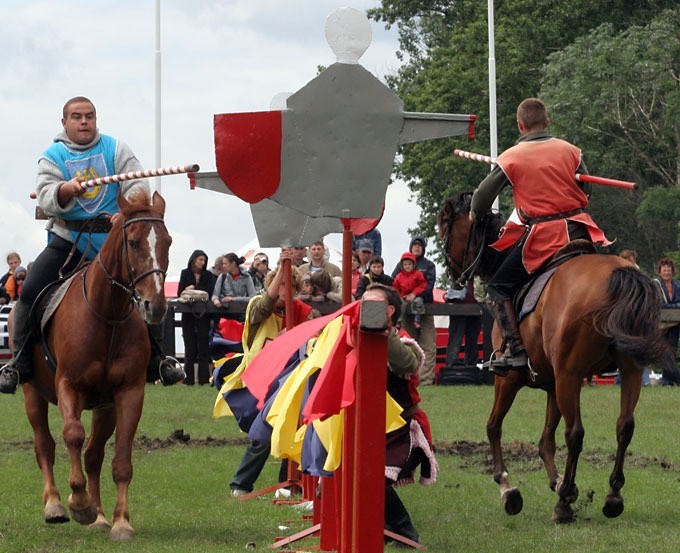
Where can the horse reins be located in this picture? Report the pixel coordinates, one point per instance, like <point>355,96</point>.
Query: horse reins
<point>470,270</point>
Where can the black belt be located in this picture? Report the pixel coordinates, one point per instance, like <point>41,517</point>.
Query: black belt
<point>545,218</point>
<point>407,413</point>
<point>95,225</point>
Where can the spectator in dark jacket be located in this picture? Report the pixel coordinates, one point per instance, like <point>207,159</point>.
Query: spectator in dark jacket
<point>196,329</point>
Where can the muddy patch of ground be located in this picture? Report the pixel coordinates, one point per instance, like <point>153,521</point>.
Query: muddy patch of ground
<point>478,454</point>
<point>471,454</point>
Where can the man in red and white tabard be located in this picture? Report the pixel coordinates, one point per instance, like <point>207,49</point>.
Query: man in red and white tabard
<point>550,204</point>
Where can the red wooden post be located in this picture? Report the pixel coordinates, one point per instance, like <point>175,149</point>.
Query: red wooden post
<point>329,516</point>
<point>288,284</point>
<point>346,481</point>
<point>346,261</point>
<point>345,475</point>
<point>368,506</point>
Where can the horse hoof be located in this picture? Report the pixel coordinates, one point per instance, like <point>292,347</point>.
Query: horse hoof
<point>613,506</point>
<point>55,513</point>
<point>100,524</point>
<point>563,513</point>
<point>122,531</point>
<point>512,501</point>
<point>84,516</point>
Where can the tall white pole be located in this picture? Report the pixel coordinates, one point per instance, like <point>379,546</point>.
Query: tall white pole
<point>493,131</point>
<point>156,184</point>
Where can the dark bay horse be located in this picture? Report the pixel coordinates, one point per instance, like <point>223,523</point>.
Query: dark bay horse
<point>597,311</point>
<point>100,345</point>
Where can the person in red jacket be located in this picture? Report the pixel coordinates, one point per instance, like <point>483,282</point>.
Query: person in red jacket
<point>550,203</point>
<point>410,282</point>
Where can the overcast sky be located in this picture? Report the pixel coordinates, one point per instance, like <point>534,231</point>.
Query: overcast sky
<point>218,56</point>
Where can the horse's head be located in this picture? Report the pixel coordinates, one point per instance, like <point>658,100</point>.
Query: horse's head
<point>145,248</point>
<point>454,224</point>
<point>464,243</point>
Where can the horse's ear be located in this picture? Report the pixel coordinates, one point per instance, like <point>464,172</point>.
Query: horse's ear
<point>158,202</point>
<point>123,203</point>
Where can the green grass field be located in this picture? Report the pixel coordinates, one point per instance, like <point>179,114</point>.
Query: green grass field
<point>180,503</point>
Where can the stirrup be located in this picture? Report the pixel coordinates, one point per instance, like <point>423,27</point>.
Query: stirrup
<point>9,379</point>
<point>501,366</point>
<point>170,371</point>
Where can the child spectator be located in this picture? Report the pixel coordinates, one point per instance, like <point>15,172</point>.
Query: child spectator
<point>305,293</point>
<point>409,283</point>
<point>321,283</point>
<point>19,277</point>
<point>356,271</point>
<point>14,282</point>
<point>8,284</point>
<point>319,286</point>
<point>375,273</point>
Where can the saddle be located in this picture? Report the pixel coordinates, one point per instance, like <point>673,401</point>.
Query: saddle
<point>43,309</point>
<point>526,298</point>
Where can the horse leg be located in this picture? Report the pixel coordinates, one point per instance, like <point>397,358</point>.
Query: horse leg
<point>82,508</point>
<point>568,401</point>
<point>103,425</point>
<point>504,395</point>
<point>37,412</point>
<point>546,445</point>
<point>631,381</point>
<point>128,405</point>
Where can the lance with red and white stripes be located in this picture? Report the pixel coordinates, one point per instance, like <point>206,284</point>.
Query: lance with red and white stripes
<point>579,177</point>
<point>163,171</point>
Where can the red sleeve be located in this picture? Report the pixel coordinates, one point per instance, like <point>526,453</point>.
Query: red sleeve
<point>421,283</point>
<point>302,311</point>
<point>398,284</point>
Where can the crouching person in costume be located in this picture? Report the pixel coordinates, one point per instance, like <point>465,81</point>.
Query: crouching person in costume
<point>550,203</point>
<point>409,447</point>
<point>77,154</point>
<point>265,320</point>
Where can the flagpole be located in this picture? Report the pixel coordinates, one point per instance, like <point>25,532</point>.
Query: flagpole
<point>157,103</point>
<point>493,130</point>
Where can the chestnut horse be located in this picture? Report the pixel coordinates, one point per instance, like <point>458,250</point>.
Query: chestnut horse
<point>99,342</point>
<point>597,311</point>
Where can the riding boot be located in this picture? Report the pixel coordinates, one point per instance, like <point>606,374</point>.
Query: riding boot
<point>19,368</point>
<point>514,355</point>
<point>170,370</point>
<point>397,519</point>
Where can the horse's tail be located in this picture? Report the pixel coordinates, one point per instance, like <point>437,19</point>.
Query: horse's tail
<point>630,315</point>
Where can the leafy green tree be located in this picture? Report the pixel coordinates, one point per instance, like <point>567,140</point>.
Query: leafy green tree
<point>444,47</point>
<point>617,95</point>
<point>658,214</point>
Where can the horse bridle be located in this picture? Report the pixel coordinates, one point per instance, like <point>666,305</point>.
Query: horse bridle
<point>152,271</point>
<point>130,287</point>
<point>464,272</point>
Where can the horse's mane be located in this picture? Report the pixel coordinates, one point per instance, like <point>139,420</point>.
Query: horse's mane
<point>451,209</point>
<point>482,233</point>
<point>140,198</point>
